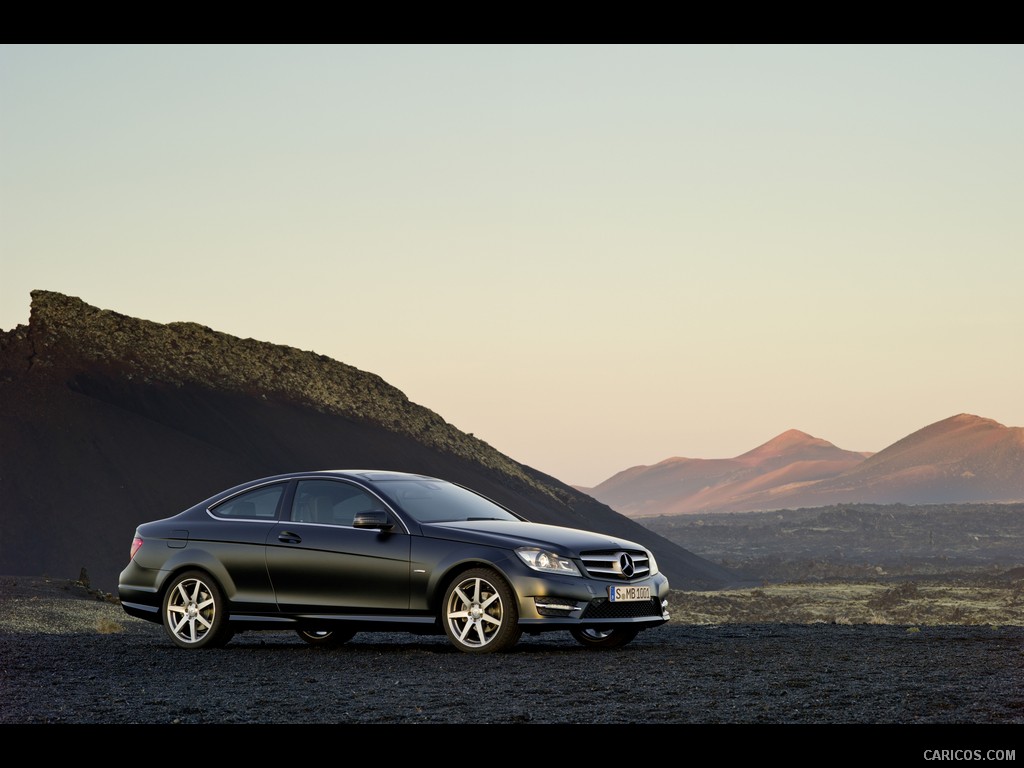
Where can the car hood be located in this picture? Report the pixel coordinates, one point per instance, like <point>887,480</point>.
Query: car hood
<point>514,533</point>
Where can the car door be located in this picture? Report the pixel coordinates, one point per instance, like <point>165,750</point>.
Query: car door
<point>233,533</point>
<point>318,563</point>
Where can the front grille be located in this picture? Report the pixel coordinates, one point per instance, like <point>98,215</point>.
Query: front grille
<point>617,564</point>
<point>602,608</point>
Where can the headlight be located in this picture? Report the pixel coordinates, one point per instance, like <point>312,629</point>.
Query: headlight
<point>548,562</point>
<point>653,563</point>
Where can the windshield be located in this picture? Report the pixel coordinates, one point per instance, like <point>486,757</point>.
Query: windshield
<point>436,501</point>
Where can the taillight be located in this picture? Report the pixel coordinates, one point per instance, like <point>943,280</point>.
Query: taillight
<point>136,546</point>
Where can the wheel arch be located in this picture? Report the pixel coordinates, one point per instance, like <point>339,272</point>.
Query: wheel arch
<point>207,565</point>
<point>444,579</point>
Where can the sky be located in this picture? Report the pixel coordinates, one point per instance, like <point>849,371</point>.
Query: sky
<point>591,257</point>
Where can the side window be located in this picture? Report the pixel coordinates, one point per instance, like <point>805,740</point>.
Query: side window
<point>330,502</point>
<point>260,504</point>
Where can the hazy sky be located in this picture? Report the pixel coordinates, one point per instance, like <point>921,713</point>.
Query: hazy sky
<point>591,257</point>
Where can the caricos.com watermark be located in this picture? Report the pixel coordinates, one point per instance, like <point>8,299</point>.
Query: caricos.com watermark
<point>970,754</point>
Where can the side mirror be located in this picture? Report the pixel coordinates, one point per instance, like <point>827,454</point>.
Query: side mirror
<point>374,519</point>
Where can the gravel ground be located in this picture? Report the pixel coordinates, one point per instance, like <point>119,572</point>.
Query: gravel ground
<point>68,657</point>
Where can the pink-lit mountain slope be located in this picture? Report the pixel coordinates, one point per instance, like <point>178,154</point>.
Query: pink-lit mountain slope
<point>963,458</point>
<point>679,485</point>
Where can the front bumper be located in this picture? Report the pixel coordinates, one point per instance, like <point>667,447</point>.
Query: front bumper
<point>567,602</point>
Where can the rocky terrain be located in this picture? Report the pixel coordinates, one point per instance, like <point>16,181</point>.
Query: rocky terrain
<point>69,656</point>
<point>881,542</point>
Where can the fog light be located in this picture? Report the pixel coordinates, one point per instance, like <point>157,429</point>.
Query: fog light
<point>554,606</point>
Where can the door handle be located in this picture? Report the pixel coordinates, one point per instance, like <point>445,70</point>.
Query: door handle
<point>287,537</point>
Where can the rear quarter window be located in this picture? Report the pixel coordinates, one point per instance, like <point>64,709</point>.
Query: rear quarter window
<point>259,504</point>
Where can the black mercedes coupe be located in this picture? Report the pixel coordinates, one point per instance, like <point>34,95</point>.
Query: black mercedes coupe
<point>332,553</point>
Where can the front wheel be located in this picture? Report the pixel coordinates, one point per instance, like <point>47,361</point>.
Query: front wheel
<point>480,613</point>
<point>600,639</point>
<point>195,613</point>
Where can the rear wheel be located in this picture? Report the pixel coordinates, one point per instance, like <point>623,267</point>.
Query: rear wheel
<point>195,613</point>
<point>480,613</point>
<point>598,639</point>
<point>325,637</point>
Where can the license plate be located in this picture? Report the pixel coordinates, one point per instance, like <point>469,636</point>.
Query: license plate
<point>628,594</point>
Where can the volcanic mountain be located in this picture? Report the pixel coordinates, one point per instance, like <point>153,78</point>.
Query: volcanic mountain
<point>963,458</point>
<point>108,421</point>
<point>679,485</point>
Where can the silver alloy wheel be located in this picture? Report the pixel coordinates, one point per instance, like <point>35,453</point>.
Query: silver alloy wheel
<point>475,612</point>
<point>191,611</point>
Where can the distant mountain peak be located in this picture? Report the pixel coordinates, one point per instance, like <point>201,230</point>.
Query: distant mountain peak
<point>939,442</point>
<point>969,419</point>
<point>789,442</point>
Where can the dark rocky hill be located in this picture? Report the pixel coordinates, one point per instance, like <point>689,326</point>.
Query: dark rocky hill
<point>107,421</point>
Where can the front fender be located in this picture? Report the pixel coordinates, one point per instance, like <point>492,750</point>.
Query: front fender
<point>435,563</point>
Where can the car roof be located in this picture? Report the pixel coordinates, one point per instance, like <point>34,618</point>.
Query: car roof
<point>372,475</point>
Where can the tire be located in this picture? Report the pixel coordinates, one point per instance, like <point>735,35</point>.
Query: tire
<point>603,639</point>
<point>326,638</point>
<point>195,613</point>
<point>480,613</point>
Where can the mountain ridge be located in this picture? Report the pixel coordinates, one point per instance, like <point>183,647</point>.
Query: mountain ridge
<point>335,387</point>
<point>109,421</point>
<point>963,458</point>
